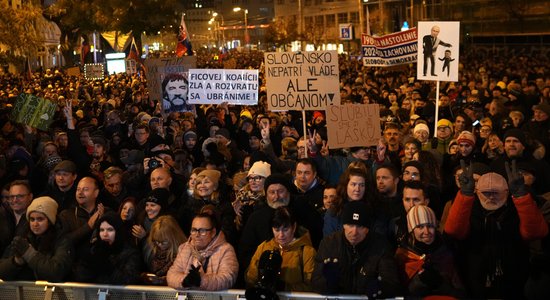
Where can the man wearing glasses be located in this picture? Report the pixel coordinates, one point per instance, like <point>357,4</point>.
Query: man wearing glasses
<point>20,197</point>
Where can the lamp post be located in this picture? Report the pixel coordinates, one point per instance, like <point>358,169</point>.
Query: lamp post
<point>246,37</point>
<point>214,16</point>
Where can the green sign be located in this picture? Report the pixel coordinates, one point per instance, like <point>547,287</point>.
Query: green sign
<point>33,111</point>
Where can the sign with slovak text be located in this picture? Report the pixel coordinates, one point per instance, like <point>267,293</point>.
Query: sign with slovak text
<point>214,86</point>
<point>302,80</point>
<point>33,111</point>
<point>390,50</point>
<point>353,125</point>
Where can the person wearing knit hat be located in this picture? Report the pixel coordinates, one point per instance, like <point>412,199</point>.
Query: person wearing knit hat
<point>357,213</point>
<point>421,132</point>
<point>466,137</point>
<point>466,142</point>
<point>45,205</point>
<point>336,273</point>
<point>443,137</point>
<point>424,261</point>
<point>42,253</point>
<point>252,193</point>
<point>260,168</point>
<point>190,136</point>
<point>515,142</point>
<point>213,175</point>
<point>277,189</point>
<point>422,216</point>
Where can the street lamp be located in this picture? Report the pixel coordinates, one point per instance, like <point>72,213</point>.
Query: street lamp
<point>214,15</point>
<point>246,37</point>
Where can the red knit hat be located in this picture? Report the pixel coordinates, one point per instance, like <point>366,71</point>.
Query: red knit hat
<point>466,137</point>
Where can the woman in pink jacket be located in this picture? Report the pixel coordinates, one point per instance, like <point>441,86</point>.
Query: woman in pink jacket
<point>206,261</point>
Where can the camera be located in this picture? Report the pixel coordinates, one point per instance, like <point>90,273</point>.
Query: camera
<point>153,163</point>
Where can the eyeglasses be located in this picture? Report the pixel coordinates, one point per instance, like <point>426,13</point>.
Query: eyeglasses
<point>160,243</point>
<point>17,197</point>
<point>200,231</point>
<point>255,179</point>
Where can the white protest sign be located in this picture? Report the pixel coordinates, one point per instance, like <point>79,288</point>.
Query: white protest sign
<point>353,125</point>
<point>302,80</point>
<point>438,51</point>
<point>214,86</point>
<point>94,71</point>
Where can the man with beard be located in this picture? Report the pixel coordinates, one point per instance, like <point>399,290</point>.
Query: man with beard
<point>494,230</point>
<point>100,157</point>
<point>174,89</point>
<point>517,148</point>
<point>394,148</point>
<point>258,228</point>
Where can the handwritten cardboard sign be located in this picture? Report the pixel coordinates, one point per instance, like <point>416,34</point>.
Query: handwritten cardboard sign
<point>302,80</point>
<point>353,125</point>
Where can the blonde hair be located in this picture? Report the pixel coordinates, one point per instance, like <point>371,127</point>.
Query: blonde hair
<point>215,194</point>
<point>165,228</point>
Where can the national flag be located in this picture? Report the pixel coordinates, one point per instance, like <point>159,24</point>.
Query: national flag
<point>184,44</point>
<point>84,50</point>
<point>134,52</point>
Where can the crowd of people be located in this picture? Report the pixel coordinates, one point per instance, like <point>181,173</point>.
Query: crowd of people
<point>119,192</point>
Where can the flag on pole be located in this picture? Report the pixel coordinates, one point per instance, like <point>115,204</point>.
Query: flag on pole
<point>28,69</point>
<point>184,44</point>
<point>84,50</point>
<point>134,53</point>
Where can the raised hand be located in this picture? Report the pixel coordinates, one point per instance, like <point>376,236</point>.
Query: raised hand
<point>466,179</point>
<point>516,182</point>
<point>324,150</point>
<point>264,130</point>
<point>310,141</point>
<point>381,150</point>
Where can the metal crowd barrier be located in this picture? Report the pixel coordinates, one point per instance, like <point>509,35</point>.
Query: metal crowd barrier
<point>41,290</point>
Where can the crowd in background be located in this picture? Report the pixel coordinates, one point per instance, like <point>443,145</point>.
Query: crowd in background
<point>238,196</point>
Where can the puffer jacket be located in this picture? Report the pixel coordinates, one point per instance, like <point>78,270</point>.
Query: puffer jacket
<point>297,266</point>
<point>220,260</point>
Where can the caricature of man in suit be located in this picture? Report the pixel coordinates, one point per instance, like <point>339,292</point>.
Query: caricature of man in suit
<point>430,43</point>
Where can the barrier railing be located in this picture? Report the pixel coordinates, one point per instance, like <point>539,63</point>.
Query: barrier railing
<point>41,290</point>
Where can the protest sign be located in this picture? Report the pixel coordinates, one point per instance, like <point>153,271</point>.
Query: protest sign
<point>94,71</point>
<point>302,80</point>
<point>73,71</point>
<point>167,81</point>
<point>438,51</point>
<point>390,50</point>
<point>353,125</point>
<point>33,111</point>
<point>214,86</point>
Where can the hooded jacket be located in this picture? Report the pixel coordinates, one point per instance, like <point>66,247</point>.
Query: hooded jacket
<point>219,261</point>
<point>297,266</point>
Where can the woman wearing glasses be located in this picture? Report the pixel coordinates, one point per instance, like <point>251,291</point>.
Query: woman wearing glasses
<point>252,193</point>
<point>161,249</point>
<point>206,261</point>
